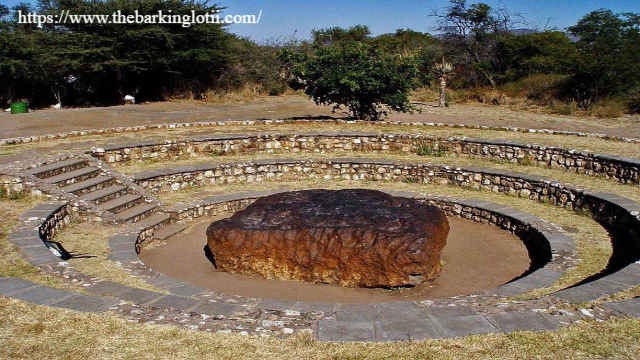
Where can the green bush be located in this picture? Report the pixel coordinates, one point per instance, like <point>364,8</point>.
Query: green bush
<point>4,194</point>
<point>426,149</point>
<point>355,75</point>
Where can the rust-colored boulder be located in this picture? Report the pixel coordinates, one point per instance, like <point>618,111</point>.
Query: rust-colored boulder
<point>356,238</point>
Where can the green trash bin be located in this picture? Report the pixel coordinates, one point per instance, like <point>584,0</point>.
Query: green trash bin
<point>19,108</point>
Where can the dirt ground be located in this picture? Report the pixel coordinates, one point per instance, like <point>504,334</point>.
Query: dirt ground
<point>54,121</point>
<point>489,258</point>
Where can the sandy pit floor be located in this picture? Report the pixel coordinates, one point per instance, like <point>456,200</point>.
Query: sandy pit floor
<point>477,257</point>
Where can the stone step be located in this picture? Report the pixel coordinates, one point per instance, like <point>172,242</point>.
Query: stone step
<point>105,194</point>
<point>155,221</point>
<point>168,231</point>
<point>89,185</point>
<point>122,203</point>
<point>137,212</point>
<point>74,176</point>
<point>49,170</point>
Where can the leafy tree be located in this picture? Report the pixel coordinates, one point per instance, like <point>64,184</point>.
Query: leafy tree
<point>357,76</point>
<point>548,52</point>
<point>406,42</point>
<point>100,63</point>
<point>608,55</point>
<point>337,35</point>
<point>473,32</point>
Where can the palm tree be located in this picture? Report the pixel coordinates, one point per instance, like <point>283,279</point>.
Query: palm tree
<point>443,71</point>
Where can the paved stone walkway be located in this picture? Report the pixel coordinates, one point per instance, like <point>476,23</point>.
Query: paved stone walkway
<point>434,323</point>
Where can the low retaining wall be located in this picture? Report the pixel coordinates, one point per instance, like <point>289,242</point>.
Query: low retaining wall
<point>620,168</point>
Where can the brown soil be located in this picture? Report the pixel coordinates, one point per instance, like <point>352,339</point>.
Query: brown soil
<point>477,257</point>
<point>54,121</point>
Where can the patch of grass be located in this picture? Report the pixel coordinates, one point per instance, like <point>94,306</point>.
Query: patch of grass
<point>36,332</point>
<point>5,195</point>
<point>426,149</point>
<point>608,108</point>
<point>90,240</point>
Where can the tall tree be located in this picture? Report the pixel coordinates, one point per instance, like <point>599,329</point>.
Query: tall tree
<point>609,54</point>
<point>336,35</point>
<point>475,30</point>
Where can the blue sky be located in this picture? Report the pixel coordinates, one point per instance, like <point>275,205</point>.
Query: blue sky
<point>281,18</point>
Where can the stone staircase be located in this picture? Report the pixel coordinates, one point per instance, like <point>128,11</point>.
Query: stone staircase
<point>88,180</point>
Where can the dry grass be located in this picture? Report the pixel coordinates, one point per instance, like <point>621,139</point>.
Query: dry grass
<point>506,105</point>
<point>593,242</point>
<point>36,332</point>
<point>91,240</point>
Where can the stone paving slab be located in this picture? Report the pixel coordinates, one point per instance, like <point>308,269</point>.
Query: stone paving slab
<point>27,242</point>
<point>217,308</point>
<point>109,288</point>
<point>9,285</point>
<point>25,234</point>
<point>187,290</point>
<point>124,255</point>
<point>633,268</point>
<point>406,330</point>
<point>357,307</point>
<point>40,260</point>
<point>86,303</point>
<point>329,330</point>
<point>604,287</point>
<point>42,295</point>
<point>401,311</point>
<point>139,296</point>
<point>509,289</point>
<point>560,242</point>
<point>459,326</point>
<point>174,302</point>
<point>577,295</point>
<point>370,315</point>
<point>123,247</point>
<point>538,279</point>
<point>626,276</point>
<point>450,311</point>
<point>39,215</point>
<point>37,251</point>
<point>527,320</point>
<point>630,307</point>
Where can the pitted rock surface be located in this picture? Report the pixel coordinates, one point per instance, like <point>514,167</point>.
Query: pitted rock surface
<point>353,237</point>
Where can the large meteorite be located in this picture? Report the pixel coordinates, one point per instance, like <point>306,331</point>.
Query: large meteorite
<point>357,238</point>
